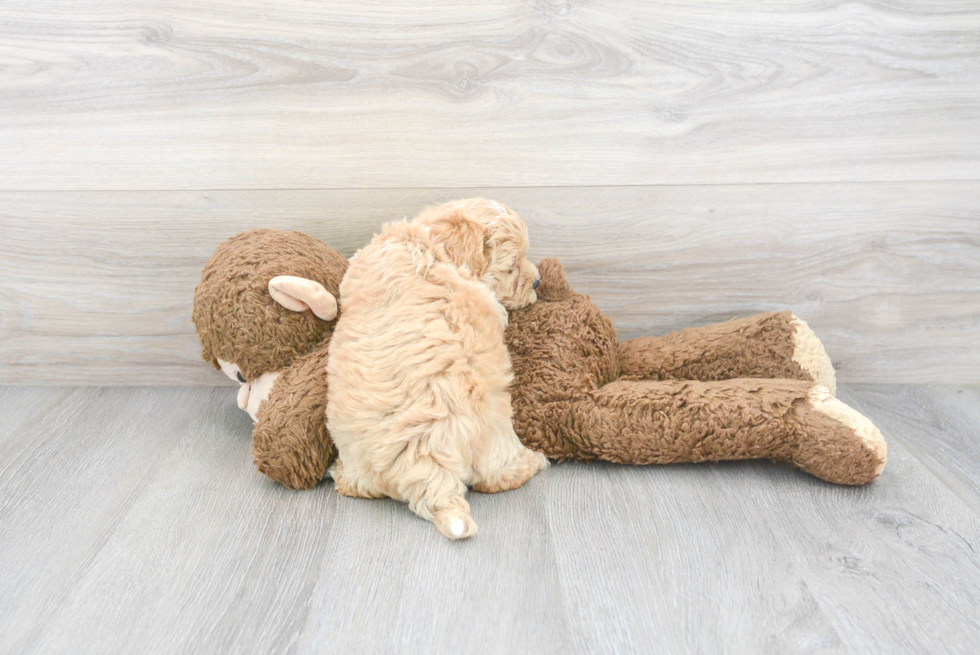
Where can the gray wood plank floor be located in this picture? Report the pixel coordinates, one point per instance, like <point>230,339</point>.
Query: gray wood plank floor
<point>131,520</point>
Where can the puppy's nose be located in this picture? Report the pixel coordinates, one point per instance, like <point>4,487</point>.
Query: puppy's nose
<point>537,281</point>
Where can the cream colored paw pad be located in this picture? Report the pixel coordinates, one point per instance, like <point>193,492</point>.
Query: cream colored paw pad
<point>822,401</point>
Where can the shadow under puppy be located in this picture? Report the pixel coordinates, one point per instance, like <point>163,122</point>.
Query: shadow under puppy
<point>418,402</point>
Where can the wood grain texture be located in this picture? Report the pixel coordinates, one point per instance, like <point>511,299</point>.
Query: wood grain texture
<point>132,521</point>
<point>939,425</point>
<point>146,499</point>
<point>407,592</point>
<point>67,478</point>
<point>887,274</point>
<point>861,551</point>
<point>671,558</point>
<point>253,94</point>
<point>20,405</point>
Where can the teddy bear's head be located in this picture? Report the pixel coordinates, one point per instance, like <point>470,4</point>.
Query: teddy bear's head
<point>248,305</point>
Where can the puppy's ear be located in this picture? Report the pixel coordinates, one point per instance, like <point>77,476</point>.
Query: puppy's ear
<point>464,239</point>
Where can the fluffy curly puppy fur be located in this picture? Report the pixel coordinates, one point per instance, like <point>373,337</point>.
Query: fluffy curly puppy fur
<point>418,375</point>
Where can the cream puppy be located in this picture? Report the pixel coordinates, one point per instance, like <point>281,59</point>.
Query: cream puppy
<point>418,402</point>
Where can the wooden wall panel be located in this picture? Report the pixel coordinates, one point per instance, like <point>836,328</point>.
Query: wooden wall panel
<point>259,94</point>
<point>96,287</point>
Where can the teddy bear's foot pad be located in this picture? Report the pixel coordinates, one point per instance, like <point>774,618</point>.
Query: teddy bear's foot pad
<point>810,355</point>
<point>839,444</point>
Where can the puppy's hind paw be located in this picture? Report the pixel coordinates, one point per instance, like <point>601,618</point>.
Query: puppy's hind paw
<point>455,524</point>
<point>347,486</point>
<point>519,470</point>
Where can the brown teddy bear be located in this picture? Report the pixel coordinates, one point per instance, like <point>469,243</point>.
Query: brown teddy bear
<point>252,337</point>
<point>758,387</point>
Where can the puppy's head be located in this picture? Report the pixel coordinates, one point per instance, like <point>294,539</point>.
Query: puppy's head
<point>490,240</point>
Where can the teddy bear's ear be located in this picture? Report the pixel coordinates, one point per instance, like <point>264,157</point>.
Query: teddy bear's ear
<point>299,294</point>
<point>554,285</point>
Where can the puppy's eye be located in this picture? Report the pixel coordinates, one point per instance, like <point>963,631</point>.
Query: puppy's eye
<point>241,378</point>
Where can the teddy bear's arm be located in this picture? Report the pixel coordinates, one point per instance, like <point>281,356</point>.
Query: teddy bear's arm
<point>776,345</point>
<point>290,442</point>
<point>654,422</point>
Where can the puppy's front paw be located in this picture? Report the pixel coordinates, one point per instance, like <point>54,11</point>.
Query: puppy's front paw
<point>455,524</point>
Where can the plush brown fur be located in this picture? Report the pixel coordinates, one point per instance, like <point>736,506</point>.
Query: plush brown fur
<point>236,318</point>
<point>754,347</point>
<point>573,401</point>
<point>729,391</point>
<point>290,442</point>
<point>238,321</point>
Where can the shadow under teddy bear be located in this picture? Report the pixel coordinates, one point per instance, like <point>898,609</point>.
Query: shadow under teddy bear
<point>757,387</point>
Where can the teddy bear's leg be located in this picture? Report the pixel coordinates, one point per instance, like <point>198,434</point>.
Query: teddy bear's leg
<point>777,345</point>
<point>661,422</point>
<point>823,457</point>
<point>290,442</point>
